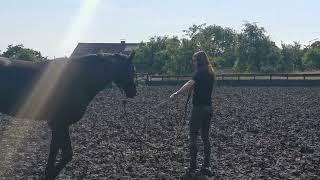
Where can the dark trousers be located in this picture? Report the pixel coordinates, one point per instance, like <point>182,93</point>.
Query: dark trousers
<point>200,120</point>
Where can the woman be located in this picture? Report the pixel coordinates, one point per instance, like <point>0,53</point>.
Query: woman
<point>202,85</point>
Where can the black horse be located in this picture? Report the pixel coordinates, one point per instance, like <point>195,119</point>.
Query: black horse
<point>66,99</point>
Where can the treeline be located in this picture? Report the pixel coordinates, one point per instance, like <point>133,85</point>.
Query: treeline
<point>22,53</point>
<point>250,50</point>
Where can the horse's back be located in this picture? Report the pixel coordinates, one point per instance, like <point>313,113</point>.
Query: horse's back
<point>65,96</point>
<point>17,74</point>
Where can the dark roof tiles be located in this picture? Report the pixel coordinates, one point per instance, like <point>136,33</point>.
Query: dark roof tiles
<point>94,48</point>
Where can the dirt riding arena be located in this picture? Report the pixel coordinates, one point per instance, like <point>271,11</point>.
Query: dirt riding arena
<point>257,132</point>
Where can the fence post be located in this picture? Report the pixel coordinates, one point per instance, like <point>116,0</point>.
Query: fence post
<point>147,80</point>
<point>136,79</point>
<point>304,77</point>
<point>270,76</point>
<point>254,77</point>
<point>287,76</point>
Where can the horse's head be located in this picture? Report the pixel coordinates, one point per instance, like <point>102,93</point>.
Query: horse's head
<point>123,74</point>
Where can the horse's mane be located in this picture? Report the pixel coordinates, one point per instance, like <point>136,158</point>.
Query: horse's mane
<point>86,59</point>
<point>111,57</point>
<point>21,63</point>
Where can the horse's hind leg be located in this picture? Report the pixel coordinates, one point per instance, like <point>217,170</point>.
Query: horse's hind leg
<point>54,149</point>
<point>66,146</point>
<point>66,149</point>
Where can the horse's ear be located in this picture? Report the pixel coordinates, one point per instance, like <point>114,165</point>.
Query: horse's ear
<point>132,55</point>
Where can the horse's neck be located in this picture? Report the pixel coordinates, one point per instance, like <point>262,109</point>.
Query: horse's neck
<point>93,84</point>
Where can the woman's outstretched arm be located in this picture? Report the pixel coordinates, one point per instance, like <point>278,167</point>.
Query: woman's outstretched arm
<point>186,87</point>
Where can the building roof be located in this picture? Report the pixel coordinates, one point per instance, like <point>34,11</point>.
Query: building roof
<point>94,48</point>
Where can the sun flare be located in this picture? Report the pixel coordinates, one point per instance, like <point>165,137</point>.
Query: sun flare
<point>80,24</point>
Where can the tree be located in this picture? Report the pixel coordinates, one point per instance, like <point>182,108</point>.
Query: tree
<point>21,53</point>
<point>311,58</point>
<point>151,56</point>
<point>218,42</point>
<point>315,44</point>
<point>164,55</point>
<point>180,53</point>
<point>193,30</point>
<point>291,57</point>
<point>251,50</point>
<point>255,51</point>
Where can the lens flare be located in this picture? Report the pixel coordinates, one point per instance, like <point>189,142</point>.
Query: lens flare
<point>79,27</point>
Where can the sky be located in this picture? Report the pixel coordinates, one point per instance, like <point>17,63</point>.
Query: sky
<point>55,27</point>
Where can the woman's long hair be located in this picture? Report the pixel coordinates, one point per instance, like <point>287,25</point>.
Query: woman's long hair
<point>201,61</point>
